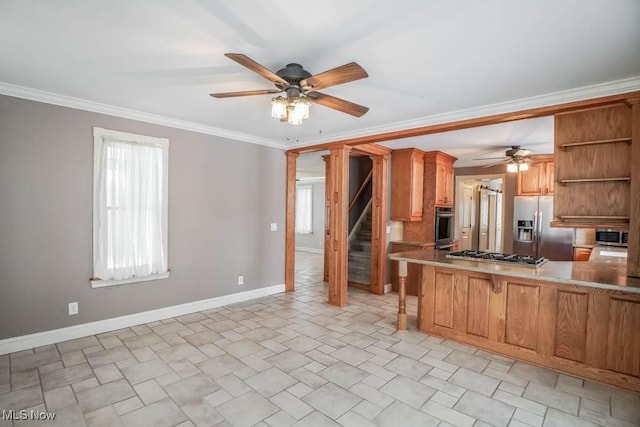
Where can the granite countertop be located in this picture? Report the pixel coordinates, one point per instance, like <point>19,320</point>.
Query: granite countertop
<point>583,245</point>
<point>610,274</point>
<point>410,243</point>
<point>417,244</point>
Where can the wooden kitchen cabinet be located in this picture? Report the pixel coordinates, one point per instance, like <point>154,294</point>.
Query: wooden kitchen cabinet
<point>445,179</point>
<point>455,302</point>
<point>550,176</point>
<point>538,180</point>
<point>581,254</point>
<point>584,331</point>
<point>407,180</point>
<point>438,190</point>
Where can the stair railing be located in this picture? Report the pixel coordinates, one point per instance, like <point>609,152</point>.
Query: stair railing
<point>360,190</point>
<point>362,217</point>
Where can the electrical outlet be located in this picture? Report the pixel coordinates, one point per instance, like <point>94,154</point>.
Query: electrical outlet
<point>240,280</point>
<point>274,226</point>
<point>73,308</point>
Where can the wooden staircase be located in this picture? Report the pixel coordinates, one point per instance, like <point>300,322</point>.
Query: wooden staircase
<point>359,260</point>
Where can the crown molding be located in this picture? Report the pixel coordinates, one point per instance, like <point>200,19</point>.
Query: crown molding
<point>578,94</point>
<point>111,110</point>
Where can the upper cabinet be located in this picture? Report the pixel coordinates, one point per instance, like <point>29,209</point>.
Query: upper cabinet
<point>550,176</point>
<point>444,177</point>
<point>538,180</point>
<point>593,159</point>
<point>438,184</point>
<point>407,178</point>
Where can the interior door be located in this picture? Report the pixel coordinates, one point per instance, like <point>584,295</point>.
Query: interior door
<point>499,222</point>
<point>466,217</point>
<point>483,228</point>
<point>492,223</point>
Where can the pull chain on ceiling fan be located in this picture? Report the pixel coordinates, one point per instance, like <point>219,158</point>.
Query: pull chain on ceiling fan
<point>301,88</point>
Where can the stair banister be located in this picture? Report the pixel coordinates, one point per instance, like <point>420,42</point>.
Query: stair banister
<point>360,190</point>
<point>362,217</point>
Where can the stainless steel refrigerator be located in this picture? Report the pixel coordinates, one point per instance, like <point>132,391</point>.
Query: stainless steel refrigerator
<point>532,234</point>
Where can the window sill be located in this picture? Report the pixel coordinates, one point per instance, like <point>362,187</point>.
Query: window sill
<point>106,283</point>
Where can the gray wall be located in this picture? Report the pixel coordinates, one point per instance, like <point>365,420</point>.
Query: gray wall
<point>222,196</point>
<point>315,240</point>
<point>508,193</point>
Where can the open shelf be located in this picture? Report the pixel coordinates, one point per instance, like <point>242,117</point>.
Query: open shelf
<point>601,141</point>
<point>570,181</point>
<point>589,221</point>
<point>591,224</point>
<point>611,217</point>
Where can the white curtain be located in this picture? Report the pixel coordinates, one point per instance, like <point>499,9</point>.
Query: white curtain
<point>129,211</point>
<point>304,205</point>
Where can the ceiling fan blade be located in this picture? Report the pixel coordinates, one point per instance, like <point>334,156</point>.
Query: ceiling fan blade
<point>493,158</point>
<point>343,74</point>
<point>337,104</point>
<point>245,93</point>
<point>497,163</point>
<point>257,68</point>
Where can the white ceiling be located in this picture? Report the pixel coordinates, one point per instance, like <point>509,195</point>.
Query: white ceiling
<point>428,61</point>
<point>471,144</point>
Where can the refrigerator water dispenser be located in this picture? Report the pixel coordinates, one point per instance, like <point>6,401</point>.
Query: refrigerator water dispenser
<point>525,231</point>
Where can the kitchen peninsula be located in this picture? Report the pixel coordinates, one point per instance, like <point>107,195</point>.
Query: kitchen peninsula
<point>581,318</point>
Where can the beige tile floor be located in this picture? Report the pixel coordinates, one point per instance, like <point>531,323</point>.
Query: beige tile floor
<point>292,359</point>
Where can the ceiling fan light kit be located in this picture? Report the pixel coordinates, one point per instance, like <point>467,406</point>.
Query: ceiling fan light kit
<point>279,107</point>
<point>293,110</point>
<point>300,88</point>
<point>515,158</point>
<point>516,166</point>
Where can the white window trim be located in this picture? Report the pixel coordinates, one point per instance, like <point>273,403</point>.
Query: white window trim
<point>99,134</point>
<point>106,283</point>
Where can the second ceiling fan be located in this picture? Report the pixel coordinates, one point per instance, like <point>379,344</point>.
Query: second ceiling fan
<point>301,87</point>
<point>515,157</point>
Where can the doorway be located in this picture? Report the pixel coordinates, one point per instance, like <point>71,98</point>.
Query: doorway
<point>479,213</point>
<point>310,218</point>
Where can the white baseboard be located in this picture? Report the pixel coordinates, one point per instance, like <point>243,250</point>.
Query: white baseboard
<point>312,250</point>
<point>24,342</point>
<point>387,288</point>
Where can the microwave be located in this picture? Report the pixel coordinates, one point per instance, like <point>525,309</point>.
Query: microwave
<point>608,237</point>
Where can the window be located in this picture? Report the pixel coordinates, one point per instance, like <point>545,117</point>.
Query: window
<point>304,205</point>
<point>130,200</point>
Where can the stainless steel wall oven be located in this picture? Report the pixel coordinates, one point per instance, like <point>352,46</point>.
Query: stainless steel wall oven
<point>444,228</point>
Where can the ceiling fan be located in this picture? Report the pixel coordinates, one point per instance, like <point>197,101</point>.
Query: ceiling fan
<point>515,157</point>
<point>301,88</point>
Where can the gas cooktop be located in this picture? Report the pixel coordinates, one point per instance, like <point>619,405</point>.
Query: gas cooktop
<point>512,259</point>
